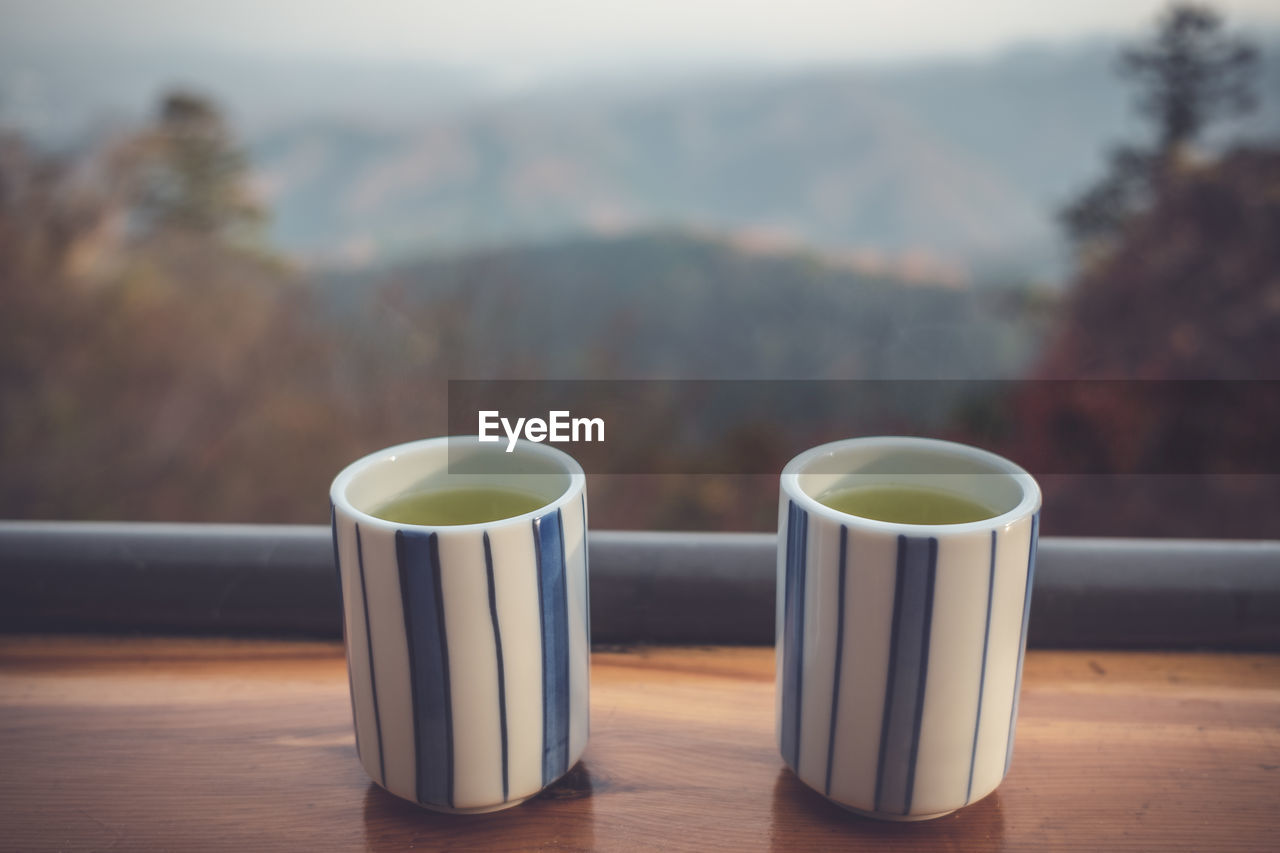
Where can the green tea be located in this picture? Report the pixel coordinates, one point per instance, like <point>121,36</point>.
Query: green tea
<point>458,506</point>
<point>906,505</point>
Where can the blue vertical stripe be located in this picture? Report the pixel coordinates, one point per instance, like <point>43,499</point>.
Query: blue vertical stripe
<point>553,605</point>
<point>921,688</point>
<point>502,677</point>
<point>899,578</point>
<point>835,680</point>
<point>586,595</point>
<point>793,636</point>
<point>586,571</point>
<point>342,604</point>
<point>908,673</point>
<point>337,561</point>
<point>373,677</point>
<point>1022,643</point>
<point>418,559</point>
<point>982,670</point>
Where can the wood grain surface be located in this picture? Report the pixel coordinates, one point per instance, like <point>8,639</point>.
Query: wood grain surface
<point>157,744</point>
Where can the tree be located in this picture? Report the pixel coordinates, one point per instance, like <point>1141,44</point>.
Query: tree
<point>1189,73</point>
<point>1183,303</point>
<point>1099,214</point>
<point>150,368</point>
<point>191,177</point>
<point>1186,309</point>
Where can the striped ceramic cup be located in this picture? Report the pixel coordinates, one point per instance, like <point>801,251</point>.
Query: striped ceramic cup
<point>900,646</point>
<point>467,645</point>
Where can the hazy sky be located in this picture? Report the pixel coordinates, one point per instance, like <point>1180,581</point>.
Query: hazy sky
<point>540,35</point>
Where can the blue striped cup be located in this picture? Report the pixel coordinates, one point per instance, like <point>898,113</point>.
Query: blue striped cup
<point>467,645</point>
<point>900,646</point>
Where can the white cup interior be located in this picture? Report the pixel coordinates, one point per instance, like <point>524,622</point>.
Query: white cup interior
<point>454,462</point>
<point>992,481</point>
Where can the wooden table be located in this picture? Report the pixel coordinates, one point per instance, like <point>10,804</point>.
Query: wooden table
<point>139,744</point>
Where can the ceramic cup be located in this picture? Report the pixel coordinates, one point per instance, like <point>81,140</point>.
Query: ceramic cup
<point>467,645</point>
<point>900,646</point>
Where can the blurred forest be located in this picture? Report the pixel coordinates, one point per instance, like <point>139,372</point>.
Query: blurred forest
<point>160,360</point>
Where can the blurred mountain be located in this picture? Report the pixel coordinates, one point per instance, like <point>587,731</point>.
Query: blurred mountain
<point>956,167</point>
<point>823,160</point>
<point>676,305</point>
<point>949,168</point>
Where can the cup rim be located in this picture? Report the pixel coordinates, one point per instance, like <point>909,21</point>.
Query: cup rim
<point>1029,503</point>
<point>338,488</point>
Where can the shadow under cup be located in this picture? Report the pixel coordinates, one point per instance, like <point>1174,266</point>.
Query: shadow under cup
<point>900,646</point>
<point>467,645</point>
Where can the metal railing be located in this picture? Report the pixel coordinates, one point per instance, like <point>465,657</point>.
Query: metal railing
<point>645,587</point>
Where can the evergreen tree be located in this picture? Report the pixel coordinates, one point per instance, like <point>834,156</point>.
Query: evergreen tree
<point>191,175</point>
<point>1188,74</point>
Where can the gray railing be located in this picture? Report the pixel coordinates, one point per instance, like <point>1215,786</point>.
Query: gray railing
<point>645,587</point>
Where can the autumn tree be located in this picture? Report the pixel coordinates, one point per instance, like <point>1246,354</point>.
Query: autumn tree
<point>153,365</point>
